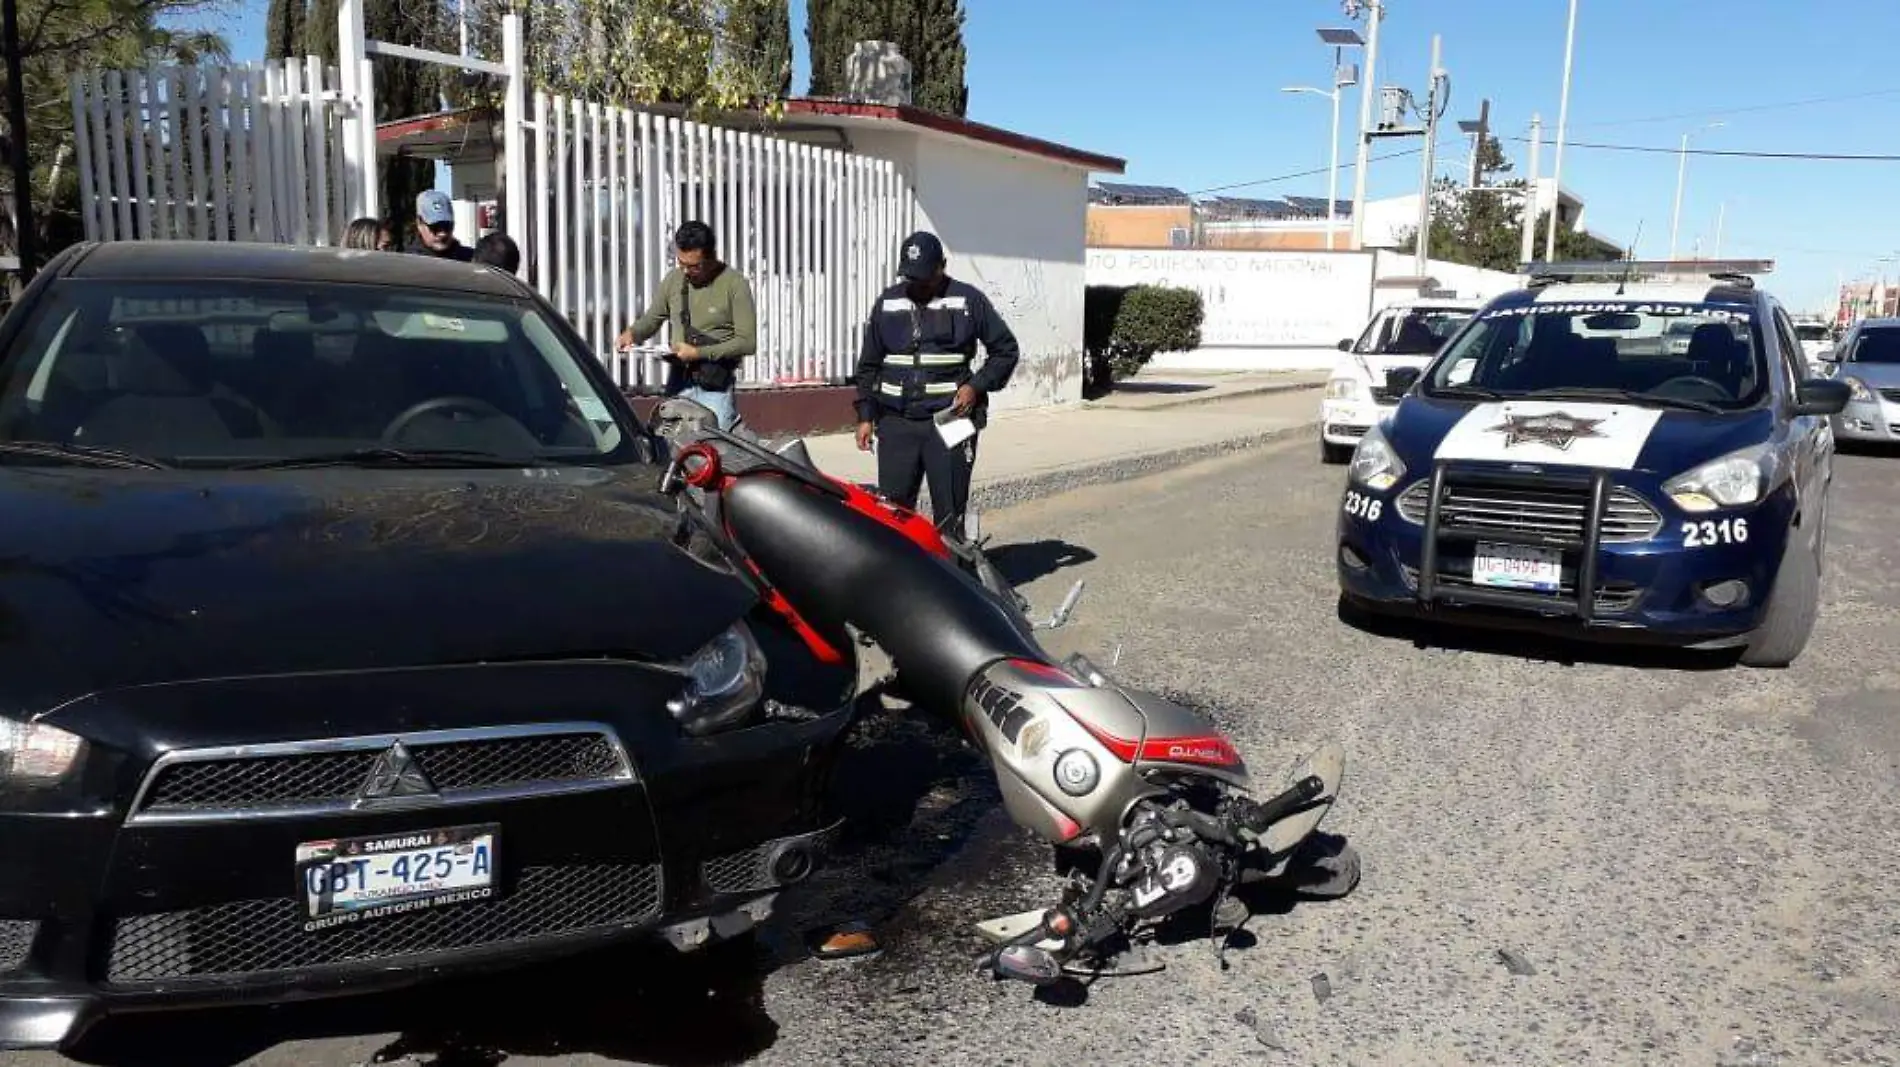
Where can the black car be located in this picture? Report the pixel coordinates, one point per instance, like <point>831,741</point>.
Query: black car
<point>345,639</point>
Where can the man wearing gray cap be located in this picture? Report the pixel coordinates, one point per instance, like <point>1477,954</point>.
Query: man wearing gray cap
<point>916,386</point>
<point>435,228</point>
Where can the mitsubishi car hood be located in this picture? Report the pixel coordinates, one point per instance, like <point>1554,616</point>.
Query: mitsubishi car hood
<point>117,578</point>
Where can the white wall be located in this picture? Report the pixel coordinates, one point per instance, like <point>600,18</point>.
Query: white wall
<point>1275,310</point>
<point>1014,226</point>
<point>1265,310</point>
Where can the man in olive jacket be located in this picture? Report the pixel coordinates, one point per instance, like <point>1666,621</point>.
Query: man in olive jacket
<point>715,325</point>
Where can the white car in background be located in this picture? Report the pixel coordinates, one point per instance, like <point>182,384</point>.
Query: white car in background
<point>1403,334</point>
<point>1816,338</point>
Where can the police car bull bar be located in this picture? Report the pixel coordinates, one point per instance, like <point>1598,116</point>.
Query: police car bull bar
<point>1582,605</point>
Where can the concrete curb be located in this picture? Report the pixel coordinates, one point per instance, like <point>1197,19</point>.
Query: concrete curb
<point>1218,397</point>
<point>1001,494</point>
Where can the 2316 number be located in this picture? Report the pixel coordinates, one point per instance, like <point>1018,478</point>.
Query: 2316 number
<point>1364,507</point>
<point>1705,533</point>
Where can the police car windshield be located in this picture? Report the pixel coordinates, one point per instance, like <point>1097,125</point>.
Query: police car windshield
<point>1414,332</point>
<point>1634,349</point>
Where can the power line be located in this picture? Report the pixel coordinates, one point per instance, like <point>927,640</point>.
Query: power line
<point>1750,109</point>
<point>1736,153</point>
<point>1346,165</point>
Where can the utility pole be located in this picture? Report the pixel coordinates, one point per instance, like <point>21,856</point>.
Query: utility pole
<point>1434,107</point>
<point>23,227</point>
<point>1721,213</point>
<point>1563,125</point>
<point>1375,14</point>
<point>1531,198</point>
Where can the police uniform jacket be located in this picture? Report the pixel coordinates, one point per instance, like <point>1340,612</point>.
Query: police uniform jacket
<point>915,356</point>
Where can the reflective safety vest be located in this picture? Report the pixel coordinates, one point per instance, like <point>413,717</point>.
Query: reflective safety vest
<point>916,356</point>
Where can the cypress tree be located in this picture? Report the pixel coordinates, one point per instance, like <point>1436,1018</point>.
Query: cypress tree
<point>929,33</point>
<point>284,29</point>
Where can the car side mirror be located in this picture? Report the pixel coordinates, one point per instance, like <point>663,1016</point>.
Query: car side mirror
<point>1829,355</point>
<point>1345,345</point>
<point>1822,396</point>
<point>1400,380</point>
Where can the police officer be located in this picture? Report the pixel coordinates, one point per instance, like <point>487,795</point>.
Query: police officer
<point>915,367</point>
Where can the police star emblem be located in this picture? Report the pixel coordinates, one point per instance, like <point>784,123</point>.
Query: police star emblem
<point>1557,429</point>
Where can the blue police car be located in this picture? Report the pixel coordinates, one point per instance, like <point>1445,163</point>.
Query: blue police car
<point>1569,464</point>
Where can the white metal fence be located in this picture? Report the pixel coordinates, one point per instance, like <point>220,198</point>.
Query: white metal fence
<point>814,230</point>
<point>251,153</point>
<point>260,153</point>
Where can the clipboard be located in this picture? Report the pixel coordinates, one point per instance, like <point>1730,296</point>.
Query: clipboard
<point>953,428</point>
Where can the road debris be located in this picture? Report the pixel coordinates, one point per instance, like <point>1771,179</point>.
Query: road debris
<point>1516,962</point>
<point>1322,987</point>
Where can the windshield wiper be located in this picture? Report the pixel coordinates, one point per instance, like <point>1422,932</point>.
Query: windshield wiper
<point>396,457</point>
<point>1632,395</point>
<point>87,455</point>
<point>1478,391</point>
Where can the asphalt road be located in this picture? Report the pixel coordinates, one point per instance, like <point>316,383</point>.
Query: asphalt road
<point>1695,862</point>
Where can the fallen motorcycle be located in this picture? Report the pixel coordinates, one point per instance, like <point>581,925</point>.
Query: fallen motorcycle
<point>1084,763</point>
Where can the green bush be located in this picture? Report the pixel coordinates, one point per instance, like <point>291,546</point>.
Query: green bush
<point>1124,326</point>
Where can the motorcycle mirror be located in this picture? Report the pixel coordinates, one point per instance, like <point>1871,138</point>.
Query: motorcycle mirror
<point>1028,963</point>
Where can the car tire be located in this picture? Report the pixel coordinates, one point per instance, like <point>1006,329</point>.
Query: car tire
<point>1333,455</point>
<point>1792,607</point>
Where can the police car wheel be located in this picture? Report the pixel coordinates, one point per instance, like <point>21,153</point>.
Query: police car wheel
<point>1334,454</point>
<point>1792,608</point>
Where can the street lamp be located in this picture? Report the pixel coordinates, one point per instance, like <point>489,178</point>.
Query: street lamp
<point>1375,14</point>
<point>1343,76</point>
<point>1563,127</point>
<point>1682,170</point>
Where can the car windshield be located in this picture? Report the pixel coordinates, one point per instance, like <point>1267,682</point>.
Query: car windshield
<point>1810,331</point>
<point>1411,332</point>
<point>227,374</point>
<point>1878,346</point>
<point>1616,348</point>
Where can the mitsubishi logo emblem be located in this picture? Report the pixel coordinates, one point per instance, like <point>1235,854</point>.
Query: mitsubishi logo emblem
<point>395,775</point>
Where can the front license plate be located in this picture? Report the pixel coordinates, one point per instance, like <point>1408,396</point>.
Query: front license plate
<point>356,878</point>
<point>1517,567</point>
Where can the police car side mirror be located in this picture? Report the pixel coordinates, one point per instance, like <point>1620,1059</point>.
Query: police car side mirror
<point>1822,396</point>
<point>1401,379</point>
<point>1345,345</point>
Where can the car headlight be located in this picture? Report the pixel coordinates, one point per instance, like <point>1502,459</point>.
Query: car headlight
<point>1345,389</point>
<point>1737,479</point>
<point>34,755</point>
<point>1861,392</point>
<point>725,681</point>
<point>1375,464</point>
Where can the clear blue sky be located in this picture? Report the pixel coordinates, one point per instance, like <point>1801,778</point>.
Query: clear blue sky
<point>1188,92</point>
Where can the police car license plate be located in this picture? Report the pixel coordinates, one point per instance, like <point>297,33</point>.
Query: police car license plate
<point>1517,567</point>
<point>355,878</point>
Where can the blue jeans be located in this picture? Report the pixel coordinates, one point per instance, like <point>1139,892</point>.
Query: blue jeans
<point>725,405</point>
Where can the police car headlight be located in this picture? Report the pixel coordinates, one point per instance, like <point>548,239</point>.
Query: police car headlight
<point>1737,479</point>
<point>1375,464</point>
<point>1346,389</point>
<point>725,682</point>
<point>1861,392</point>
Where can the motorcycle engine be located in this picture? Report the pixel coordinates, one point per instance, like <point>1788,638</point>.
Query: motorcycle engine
<point>1165,868</point>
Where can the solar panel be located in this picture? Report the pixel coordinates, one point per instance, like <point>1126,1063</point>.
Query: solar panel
<point>1341,37</point>
<point>1145,193</point>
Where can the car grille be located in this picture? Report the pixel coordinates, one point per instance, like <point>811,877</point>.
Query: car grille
<point>1554,515</point>
<point>1891,394</point>
<point>302,779</point>
<point>1612,599</point>
<point>16,939</point>
<point>259,936</point>
<point>750,870</point>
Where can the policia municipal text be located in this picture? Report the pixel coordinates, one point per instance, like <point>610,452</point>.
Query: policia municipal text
<point>915,367</point>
